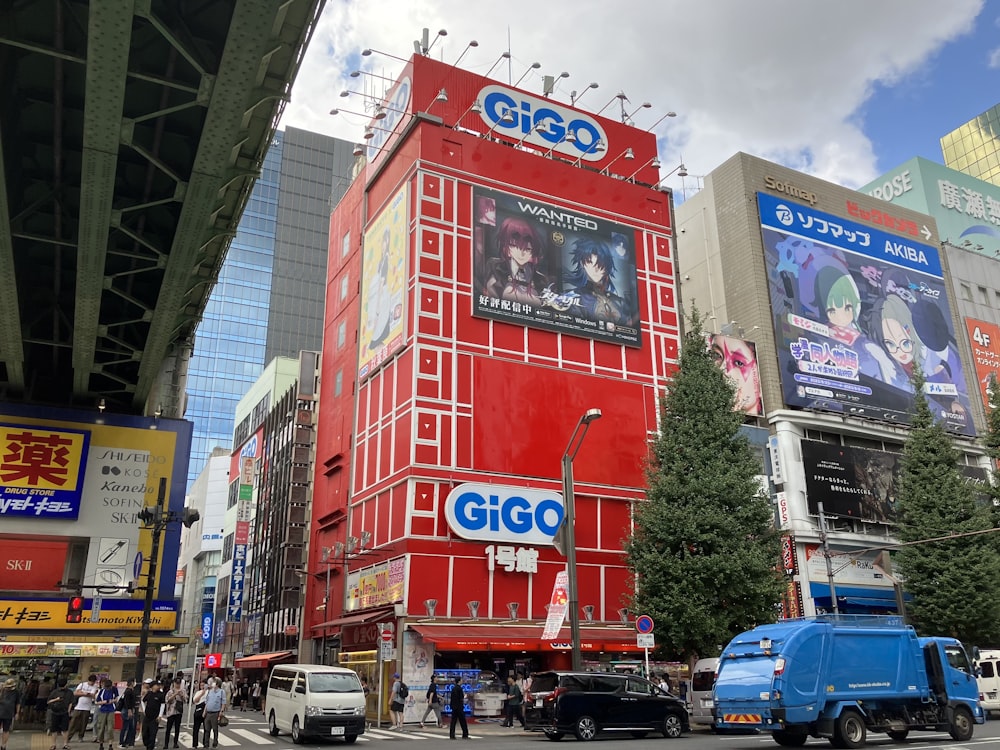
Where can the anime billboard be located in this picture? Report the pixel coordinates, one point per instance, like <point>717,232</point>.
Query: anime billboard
<point>383,278</point>
<point>738,359</point>
<point>542,266</point>
<point>856,310</point>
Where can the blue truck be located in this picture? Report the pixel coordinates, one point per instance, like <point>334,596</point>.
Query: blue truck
<point>842,676</point>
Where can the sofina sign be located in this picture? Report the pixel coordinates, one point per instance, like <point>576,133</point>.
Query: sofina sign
<point>495,513</point>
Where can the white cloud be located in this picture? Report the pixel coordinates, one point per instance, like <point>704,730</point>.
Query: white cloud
<point>781,79</point>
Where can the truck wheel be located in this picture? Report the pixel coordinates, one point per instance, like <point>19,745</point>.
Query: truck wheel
<point>850,731</point>
<point>898,735</point>
<point>961,725</point>
<point>297,737</point>
<point>790,737</point>
<point>585,729</point>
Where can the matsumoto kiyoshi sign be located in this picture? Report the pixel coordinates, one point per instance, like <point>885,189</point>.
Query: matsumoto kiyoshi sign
<point>856,310</point>
<point>495,513</point>
<point>516,114</point>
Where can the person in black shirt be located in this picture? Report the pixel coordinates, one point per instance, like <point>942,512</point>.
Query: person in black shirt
<point>59,703</point>
<point>457,704</point>
<point>433,702</point>
<point>128,706</point>
<point>152,707</point>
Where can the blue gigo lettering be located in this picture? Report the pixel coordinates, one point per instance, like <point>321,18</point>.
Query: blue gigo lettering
<point>504,514</point>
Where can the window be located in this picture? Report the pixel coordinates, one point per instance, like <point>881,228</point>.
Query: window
<point>338,383</point>
<point>984,296</point>
<point>346,246</point>
<point>341,334</point>
<point>343,287</point>
<point>966,292</point>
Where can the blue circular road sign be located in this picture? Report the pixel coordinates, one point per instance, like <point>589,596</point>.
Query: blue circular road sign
<point>644,624</point>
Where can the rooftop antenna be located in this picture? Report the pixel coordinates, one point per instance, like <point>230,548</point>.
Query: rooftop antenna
<point>423,45</point>
<point>549,83</point>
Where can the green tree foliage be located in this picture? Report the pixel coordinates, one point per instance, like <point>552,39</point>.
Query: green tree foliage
<point>704,550</point>
<point>953,581</point>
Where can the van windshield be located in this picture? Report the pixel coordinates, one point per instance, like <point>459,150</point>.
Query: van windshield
<point>334,682</point>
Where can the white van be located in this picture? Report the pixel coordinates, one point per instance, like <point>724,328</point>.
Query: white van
<point>313,700</point>
<point>702,682</point>
<point>988,678</point>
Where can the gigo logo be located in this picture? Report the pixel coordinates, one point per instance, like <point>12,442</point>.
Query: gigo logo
<point>395,111</point>
<point>494,513</point>
<point>525,112</point>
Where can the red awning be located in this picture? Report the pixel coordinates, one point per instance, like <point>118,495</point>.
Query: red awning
<point>496,637</point>
<point>261,661</point>
<point>356,618</point>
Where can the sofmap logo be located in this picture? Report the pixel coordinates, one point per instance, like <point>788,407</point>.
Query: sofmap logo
<point>523,113</point>
<point>494,513</point>
<point>395,110</point>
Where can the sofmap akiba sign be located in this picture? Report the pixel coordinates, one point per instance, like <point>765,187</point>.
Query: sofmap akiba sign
<point>856,310</point>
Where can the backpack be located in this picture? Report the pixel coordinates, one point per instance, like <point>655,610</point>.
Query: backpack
<point>403,690</point>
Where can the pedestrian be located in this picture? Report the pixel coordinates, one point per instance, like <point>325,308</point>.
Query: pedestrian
<point>215,706</point>
<point>127,705</point>
<point>199,714</point>
<point>244,694</point>
<point>513,701</point>
<point>174,711</point>
<point>255,695</point>
<point>57,713</point>
<point>457,704</point>
<point>396,705</point>
<point>433,703</point>
<point>42,699</point>
<point>84,693</point>
<point>9,698</point>
<point>152,710</point>
<point>104,719</point>
<point>28,698</point>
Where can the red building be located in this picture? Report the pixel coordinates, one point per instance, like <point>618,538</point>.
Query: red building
<point>490,280</point>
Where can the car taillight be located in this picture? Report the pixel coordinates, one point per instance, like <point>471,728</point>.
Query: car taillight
<point>556,693</point>
<point>779,665</point>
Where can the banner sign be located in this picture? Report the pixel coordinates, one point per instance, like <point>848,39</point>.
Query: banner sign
<point>984,338</point>
<point>856,309</point>
<point>558,604</point>
<point>539,265</point>
<point>41,471</point>
<point>115,614</point>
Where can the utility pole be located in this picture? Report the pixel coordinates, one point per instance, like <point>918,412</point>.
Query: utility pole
<point>826,555</point>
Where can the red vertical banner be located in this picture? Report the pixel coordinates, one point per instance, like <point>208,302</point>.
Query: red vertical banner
<point>984,338</point>
<point>791,600</point>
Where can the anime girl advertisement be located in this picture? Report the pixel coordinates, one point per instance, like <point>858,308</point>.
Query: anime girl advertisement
<point>383,276</point>
<point>856,311</point>
<point>539,265</point>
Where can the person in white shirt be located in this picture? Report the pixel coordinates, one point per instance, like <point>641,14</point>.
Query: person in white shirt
<point>84,693</point>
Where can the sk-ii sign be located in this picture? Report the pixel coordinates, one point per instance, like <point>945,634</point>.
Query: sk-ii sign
<point>518,115</point>
<point>495,513</point>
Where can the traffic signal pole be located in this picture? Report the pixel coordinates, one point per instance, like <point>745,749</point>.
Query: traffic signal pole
<point>156,526</point>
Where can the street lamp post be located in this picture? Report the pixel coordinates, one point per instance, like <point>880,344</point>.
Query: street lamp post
<point>156,520</point>
<point>568,529</point>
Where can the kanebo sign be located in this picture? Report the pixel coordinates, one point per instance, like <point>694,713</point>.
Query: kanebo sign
<point>494,513</point>
<point>527,111</point>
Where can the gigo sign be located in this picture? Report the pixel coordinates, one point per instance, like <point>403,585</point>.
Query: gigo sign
<point>495,513</point>
<point>517,114</point>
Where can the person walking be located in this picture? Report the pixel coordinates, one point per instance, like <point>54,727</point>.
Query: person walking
<point>84,693</point>
<point>215,706</point>
<point>396,705</point>
<point>57,713</point>
<point>255,695</point>
<point>198,699</point>
<point>174,703</point>
<point>127,707</point>
<point>457,704</point>
<point>433,703</point>
<point>9,698</point>
<point>513,701</point>
<point>104,719</point>
<point>42,700</point>
<point>152,710</point>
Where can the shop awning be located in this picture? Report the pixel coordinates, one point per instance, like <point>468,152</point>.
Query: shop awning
<point>357,618</point>
<point>496,637</point>
<point>261,661</point>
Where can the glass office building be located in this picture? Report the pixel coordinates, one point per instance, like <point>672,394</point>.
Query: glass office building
<point>268,301</point>
<point>974,148</point>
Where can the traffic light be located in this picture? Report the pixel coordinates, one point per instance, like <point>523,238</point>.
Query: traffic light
<point>74,609</point>
<point>190,516</point>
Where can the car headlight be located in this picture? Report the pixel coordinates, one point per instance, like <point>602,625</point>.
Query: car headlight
<point>359,710</point>
<point>313,710</point>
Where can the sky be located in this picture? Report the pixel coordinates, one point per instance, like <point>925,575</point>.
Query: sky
<point>843,90</point>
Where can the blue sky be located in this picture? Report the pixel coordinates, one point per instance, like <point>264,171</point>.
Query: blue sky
<point>842,90</point>
<point>956,84</point>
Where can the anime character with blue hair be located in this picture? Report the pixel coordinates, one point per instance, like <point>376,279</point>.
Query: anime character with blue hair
<point>592,271</point>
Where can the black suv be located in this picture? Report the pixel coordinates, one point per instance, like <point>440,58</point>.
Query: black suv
<point>586,703</point>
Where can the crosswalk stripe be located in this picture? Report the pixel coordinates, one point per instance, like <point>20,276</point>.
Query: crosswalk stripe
<point>224,741</point>
<point>253,736</point>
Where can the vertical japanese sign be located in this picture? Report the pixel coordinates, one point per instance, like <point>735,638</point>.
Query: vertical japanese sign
<point>984,338</point>
<point>41,471</point>
<point>558,605</point>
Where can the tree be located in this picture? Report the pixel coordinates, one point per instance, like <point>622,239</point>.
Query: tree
<point>703,550</point>
<point>951,581</point>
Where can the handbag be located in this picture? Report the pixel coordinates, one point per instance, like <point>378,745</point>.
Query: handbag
<point>223,720</point>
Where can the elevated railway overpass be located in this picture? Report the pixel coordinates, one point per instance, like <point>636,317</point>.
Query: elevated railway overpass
<point>131,132</point>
